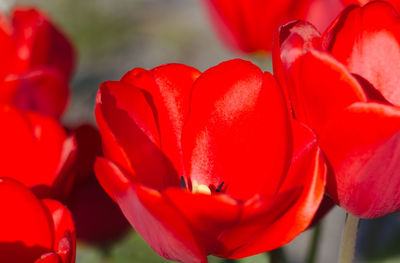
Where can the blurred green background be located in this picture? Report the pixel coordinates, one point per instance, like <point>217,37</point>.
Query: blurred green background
<point>114,36</point>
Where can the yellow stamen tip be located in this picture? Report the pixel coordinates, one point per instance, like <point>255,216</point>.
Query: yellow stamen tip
<point>203,189</point>
<point>200,188</point>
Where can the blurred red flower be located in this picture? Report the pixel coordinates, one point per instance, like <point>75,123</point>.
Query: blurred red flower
<point>35,150</point>
<point>248,25</point>
<point>33,230</point>
<point>345,86</point>
<point>395,3</point>
<point>37,63</point>
<point>199,162</point>
<point>87,199</point>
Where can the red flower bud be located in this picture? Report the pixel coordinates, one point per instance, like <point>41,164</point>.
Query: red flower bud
<point>249,25</point>
<point>37,63</point>
<point>345,86</point>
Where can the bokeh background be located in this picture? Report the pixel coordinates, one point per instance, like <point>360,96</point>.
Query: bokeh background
<point>114,36</point>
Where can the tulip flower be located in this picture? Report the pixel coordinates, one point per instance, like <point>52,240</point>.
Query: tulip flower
<point>87,199</point>
<point>345,86</point>
<point>248,25</point>
<point>33,230</point>
<point>395,3</point>
<point>35,150</point>
<point>207,163</point>
<point>37,63</point>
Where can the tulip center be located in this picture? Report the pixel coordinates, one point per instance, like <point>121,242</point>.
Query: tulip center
<point>197,188</point>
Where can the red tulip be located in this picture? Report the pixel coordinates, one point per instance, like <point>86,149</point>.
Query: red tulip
<point>87,199</point>
<point>34,150</point>
<point>201,163</point>
<point>37,62</point>
<point>248,25</point>
<point>395,3</point>
<point>345,85</point>
<point>33,230</point>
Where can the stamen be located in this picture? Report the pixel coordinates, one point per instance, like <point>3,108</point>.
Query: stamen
<point>200,188</point>
<point>219,188</point>
<point>183,183</point>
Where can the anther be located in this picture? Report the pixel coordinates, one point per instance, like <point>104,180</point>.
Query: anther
<point>219,188</point>
<point>183,183</point>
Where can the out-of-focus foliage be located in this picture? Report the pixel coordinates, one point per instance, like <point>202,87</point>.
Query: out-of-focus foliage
<point>379,240</point>
<point>133,249</point>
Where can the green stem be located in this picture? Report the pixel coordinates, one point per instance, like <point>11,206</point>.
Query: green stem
<point>312,252</point>
<point>277,256</point>
<point>349,239</point>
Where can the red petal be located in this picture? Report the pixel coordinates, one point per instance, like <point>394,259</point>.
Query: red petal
<point>294,207</point>
<point>89,147</point>
<point>258,214</point>
<point>241,22</point>
<point>64,230</point>
<point>42,89</point>
<point>25,229</point>
<point>50,138</point>
<point>126,120</point>
<point>40,43</point>
<point>362,145</point>
<point>312,78</point>
<point>323,88</point>
<point>17,141</point>
<point>307,170</point>
<point>31,139</point>
<point>152,216</point>
<point>367,41</point>
<point>238,130</point>
<point>295,39</point>
<point>395,3</point>
<point>7,48</point>
<point>169,87</point>
<point>278,70</point>
<point>291,41</point>
<point>110,145</point>
<point>209,215</point>
<point>49,258</point>
<point>110,177</point>
<point>321,13</point>
<point>65,178</point>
